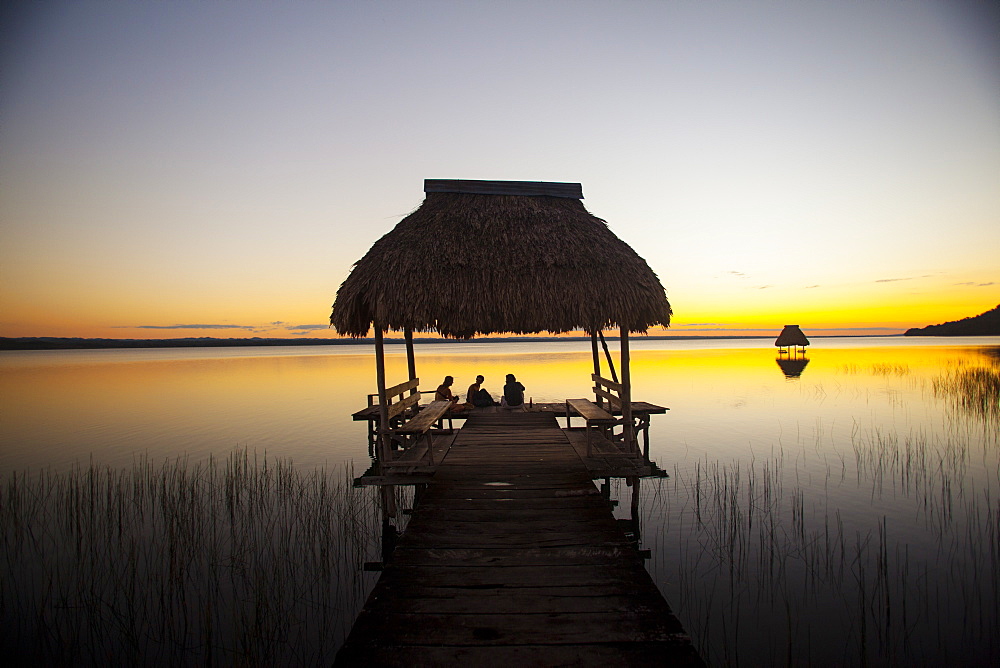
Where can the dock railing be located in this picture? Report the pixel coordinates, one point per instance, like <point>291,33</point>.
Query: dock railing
<point>399,399</point>
<point>609,393</point>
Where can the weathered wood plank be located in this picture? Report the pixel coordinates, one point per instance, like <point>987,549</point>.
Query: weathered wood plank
<point>612,398</point>
<point>557,409</point>
<point>610,384</point>
<point>512,554</point>
<point>581,555</point>
<point>417,600</point>
<point>569,503</point>
<point>494,515</point>
<point>677,653</point>
<point>425,419</point>
<point>402,387</point>
<point>406,402</point>
<point>521,629</point>
<point>522,188</point>
<point>589,411</point>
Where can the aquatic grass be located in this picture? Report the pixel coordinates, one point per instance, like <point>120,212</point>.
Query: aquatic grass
<point>763,569</point>
<point>242,560</point>
<point>972,389</point>
<point>877,369</point>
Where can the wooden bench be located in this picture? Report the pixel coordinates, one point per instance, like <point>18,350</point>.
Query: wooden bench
<point>594,416</point>
<point>420,426</point>
<point>399,398</point>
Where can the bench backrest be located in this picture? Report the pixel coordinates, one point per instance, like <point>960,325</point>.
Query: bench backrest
<point>399,397</point>
<point>607,390</point>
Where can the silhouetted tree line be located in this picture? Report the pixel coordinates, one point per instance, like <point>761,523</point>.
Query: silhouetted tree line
<point>984,324</point>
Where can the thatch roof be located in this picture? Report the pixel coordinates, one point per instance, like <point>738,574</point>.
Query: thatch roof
<point>471,261</point>
<point>791,335</point>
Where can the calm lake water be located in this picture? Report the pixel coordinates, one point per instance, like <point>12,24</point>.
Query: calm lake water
<point>838,511</point>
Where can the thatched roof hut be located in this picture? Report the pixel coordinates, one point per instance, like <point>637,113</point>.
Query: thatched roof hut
<point>483,257</point>
<point>791,335</point>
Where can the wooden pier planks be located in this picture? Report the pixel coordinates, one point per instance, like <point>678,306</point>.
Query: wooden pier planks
<point>512,555</point>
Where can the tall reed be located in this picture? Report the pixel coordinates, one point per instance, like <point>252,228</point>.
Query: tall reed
<point>765,570</point>
<point>243,561</point>
<point>973,389</point>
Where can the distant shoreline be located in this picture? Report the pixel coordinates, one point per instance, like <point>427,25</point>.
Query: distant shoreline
<point>72,343</point>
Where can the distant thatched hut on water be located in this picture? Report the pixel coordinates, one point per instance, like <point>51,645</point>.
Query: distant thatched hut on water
<point>484,257</point>
<point>790,337</point>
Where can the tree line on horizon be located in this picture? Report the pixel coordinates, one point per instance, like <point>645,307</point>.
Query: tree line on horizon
<point>984,324</point>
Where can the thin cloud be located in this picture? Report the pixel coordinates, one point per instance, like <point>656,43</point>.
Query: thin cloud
<point>774,329</point>
<point>195,326</point>
<point>764,287</point>
<point>810,287</point>
<point>308,327</point>
<point>893,280</point>
<point>730,329</point>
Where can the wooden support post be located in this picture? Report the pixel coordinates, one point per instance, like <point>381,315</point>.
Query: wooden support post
<point>388,494</point>
<point>645,437</point>
<point>607,353</point>
<point>634,508</point>
<point>597,370</point>
<point>411,363</point>
<point>626,393</point>
<point>383,400</point>
<point>390,536</point>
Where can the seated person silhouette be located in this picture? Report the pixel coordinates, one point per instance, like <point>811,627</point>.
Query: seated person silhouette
<point>443,393</point>
<point>477,396</point>
<point>513,394</point>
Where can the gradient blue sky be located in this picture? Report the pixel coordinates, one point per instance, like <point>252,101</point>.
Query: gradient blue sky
<point>214,168</point>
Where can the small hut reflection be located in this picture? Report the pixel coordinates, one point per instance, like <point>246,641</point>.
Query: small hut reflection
<point>791,345</point>
<point>792,367</point>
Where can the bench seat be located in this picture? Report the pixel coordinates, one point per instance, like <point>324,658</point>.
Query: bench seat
<point>420,424</point>
<point>594,416</point>
<point>425,419</point>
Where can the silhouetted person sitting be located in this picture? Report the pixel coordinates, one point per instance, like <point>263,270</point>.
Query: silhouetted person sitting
<point>513,393</point>
<point>477,396</point>
<point>443,393</point>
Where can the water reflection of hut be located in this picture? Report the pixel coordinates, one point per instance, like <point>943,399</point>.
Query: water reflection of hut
<point>792,338</point>
<point>484,257</point>
<point>792,367</point>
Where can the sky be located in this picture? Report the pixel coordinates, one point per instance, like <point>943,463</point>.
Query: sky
<point>176,169</point>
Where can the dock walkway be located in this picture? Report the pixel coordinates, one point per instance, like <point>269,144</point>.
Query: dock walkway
<point>512,557</point>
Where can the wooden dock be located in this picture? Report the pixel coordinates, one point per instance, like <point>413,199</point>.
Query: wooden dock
<point>607,459</point>
<point>513,557</point>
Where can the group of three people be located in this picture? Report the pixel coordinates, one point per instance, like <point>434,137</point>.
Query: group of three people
<point>477,396</point>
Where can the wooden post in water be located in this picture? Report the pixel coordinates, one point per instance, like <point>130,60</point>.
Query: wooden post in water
<point>387,491</point>
<point>597,363</point>
<point>611,362</point>
<point>383,400</point>
<point>626,393</point>
<point>411,363</point>
<point>634,505</point>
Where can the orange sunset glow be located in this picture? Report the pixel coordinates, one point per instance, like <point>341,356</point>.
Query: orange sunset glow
<point>209,169</point>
